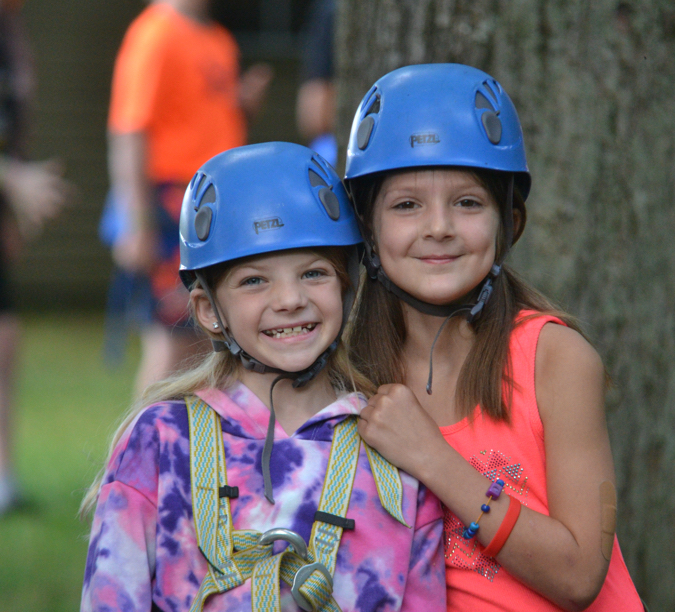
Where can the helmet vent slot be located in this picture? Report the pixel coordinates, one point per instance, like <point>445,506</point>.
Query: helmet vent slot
<point>196,180</point>
<point>209,196</point>
<point>490,87</point>
<point>490,119</point>
<point>483,102</point>
<point>315,180</point>
<point>493,126</point>
<point>374,107</point>
<point>197,188</point>
<point>330,203</point>
<point>369,100</point>
<point>203,222</point>
<point>364,132</point>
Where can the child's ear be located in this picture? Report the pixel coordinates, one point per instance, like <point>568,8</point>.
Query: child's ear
<point>201,306</point>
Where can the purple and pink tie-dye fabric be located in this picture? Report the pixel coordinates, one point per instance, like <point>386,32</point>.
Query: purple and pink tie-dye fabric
<point>143,549</point>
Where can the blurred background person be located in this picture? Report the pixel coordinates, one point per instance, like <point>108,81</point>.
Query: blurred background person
<point>315,106</point>
<point>177,100</point>
<point>30,193</point>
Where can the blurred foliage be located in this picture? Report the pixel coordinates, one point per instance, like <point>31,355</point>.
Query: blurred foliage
<point>68,403</point>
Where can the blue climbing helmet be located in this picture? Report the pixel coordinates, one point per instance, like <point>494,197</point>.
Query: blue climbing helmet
<point>259,199</point>
<point>430,115</point>
<point>262,198</point>
<point>437,115</point>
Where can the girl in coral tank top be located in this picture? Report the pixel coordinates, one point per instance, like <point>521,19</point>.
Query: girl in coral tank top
<point>496,399</point>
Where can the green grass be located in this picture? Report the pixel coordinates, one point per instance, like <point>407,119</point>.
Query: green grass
<point>68,403</point>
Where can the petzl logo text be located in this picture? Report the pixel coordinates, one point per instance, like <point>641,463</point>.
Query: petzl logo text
<point>264,225</point>
<point>424,139</point>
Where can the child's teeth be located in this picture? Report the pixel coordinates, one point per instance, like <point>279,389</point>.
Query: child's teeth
<point>285,332</point>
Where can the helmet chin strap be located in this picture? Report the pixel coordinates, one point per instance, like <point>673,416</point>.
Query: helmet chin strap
<point>300,379</point>
<point>447,311</point>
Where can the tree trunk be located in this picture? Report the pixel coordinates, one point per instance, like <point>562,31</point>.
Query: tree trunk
<point>594,84</point>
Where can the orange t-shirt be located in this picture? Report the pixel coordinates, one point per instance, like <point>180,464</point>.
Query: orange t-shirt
<point>177,80</point>
<point>515,453</point>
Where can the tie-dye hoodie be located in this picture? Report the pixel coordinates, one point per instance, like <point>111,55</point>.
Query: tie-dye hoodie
<point>143,552</point>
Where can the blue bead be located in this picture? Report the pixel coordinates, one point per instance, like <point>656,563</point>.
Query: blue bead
<point>500,482</point>
<point>474,527</point>
<point>467,535</point>
<point>485,508</point>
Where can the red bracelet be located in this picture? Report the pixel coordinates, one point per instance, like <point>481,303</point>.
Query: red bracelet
<point>505,529</point>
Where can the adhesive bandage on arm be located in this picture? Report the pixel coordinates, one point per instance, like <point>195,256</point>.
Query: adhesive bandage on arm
<point>608,518</point>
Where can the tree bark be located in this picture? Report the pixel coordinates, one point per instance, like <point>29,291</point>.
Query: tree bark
<point>594,84</point>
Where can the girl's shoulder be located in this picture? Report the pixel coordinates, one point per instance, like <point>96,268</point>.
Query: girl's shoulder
<point>545,352</point>
<point>563,351</point>
<point>530,320</point>
<point>145,432</point>
<point>547,335</point>
<point>162,415</point>
<point>553,339</point>
<point>525,336</point>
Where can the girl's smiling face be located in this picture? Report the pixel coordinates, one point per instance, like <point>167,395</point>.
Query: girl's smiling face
<point>435,231</point>
<point>283,309</point>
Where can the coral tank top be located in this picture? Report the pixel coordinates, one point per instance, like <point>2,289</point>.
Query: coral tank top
<point>515,453</point>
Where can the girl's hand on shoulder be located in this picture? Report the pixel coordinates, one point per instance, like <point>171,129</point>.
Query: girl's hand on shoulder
<point>395,424</point>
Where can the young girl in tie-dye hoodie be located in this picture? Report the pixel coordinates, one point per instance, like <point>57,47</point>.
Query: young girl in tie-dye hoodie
<point>292,512</point>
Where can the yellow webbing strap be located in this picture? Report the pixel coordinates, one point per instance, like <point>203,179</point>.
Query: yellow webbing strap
<point>212,518</point>
<point>388,483</point>
<point>325,538</point>
<point>234,555</point>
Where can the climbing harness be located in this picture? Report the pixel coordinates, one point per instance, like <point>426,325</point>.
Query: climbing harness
<point>235,555</point>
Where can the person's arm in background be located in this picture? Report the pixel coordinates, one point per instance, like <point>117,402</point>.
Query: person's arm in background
<point>253,88</point>
<point>35,191</point>
<point>315,108</point>
<point>136,248</point>
<point>315,104</point>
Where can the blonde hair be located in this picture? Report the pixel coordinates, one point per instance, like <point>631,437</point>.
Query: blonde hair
<point>219,370</point>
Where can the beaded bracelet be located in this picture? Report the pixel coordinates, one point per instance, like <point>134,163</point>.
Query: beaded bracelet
<point>493,492</point>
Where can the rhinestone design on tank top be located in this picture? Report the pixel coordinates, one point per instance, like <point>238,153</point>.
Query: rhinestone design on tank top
<point>467,554</point>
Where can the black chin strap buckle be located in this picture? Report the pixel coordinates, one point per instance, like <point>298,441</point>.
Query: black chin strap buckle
<point>227,344</point>
<point>218,346</point>
<point>252,364</point>
<point>484,295</point>
<point>316,367</point>
<point>372,263</point>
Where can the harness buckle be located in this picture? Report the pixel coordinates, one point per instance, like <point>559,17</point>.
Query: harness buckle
<point>279,533</point>
<point>301,577</point>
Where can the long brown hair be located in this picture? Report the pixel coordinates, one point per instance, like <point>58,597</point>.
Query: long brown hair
<point>219,370</point>
<point>378,331</point>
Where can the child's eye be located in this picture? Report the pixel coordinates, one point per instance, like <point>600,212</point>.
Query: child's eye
<point>252,281</point>
<point>406,205</point>
<point>314,273</point>
<point>469,203</point>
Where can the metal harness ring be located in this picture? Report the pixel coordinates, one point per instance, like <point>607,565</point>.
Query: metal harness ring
<point>294,539</point>
<point>301,577</point>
